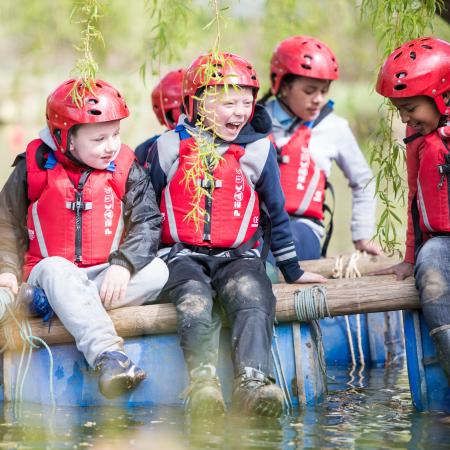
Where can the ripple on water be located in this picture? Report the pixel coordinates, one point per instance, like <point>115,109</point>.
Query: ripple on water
<point>373,412</point>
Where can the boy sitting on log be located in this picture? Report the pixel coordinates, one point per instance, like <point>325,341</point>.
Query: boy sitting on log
<point>416,78</point>
<point>213,175</point>
<point>78,218</point>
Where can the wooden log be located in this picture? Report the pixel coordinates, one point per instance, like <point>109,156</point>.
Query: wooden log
<point>355,295</point>
<point>365,264</point>
<point>345,296</point>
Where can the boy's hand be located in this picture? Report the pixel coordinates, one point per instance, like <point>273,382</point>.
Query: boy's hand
<point>401,270</point>
<point>311,277</point>
<point>9,280</point>
<point>370,247</point>
<point>114,286</point>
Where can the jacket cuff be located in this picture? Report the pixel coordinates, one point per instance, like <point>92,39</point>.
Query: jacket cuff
<point>118,261</point>
<point>9,269</point>
<point>291,271</point>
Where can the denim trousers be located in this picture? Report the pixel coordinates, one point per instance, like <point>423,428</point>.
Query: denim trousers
<point>432,273</point>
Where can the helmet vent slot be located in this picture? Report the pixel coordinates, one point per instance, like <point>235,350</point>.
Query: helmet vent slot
<point>92,101</point>
<point>94,112</point>
<point>428,47</point>
<point>99,85</point>
<point>400,74</point>
<point>400,87</point>
<point>398,55</point>
<point>412,55</point>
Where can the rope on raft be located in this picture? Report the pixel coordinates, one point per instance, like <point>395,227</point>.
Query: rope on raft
<point>8,309</point>
<point>311,303</point>
<point>351,271</point>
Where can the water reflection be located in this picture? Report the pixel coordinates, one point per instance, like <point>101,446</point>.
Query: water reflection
<point>373,412</point>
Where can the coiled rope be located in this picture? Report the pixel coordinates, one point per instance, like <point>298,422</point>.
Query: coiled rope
<point>311,305</point>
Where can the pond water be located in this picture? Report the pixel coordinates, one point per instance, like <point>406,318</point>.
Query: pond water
<point>375,412</point>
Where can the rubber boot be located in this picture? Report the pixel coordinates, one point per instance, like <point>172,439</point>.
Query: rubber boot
<point>257,394</point>
<point>118,374</point>
<point>203,397</point>
<point>442,341</point>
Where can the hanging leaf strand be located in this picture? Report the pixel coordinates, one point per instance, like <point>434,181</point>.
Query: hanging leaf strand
<point>87,14</point>
<point>205,157</point>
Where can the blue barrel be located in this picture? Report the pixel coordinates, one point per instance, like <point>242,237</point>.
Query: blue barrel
<point>427,381</point>
<point>295,353</point>
<point>378,340</point>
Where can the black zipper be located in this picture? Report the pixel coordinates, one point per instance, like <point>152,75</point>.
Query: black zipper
<point>208,206</point>
<point>444,170</point>
<point>447,160</point>
<point>78,206</point>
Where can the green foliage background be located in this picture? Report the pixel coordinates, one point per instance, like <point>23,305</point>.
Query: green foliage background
<point>37,52</point>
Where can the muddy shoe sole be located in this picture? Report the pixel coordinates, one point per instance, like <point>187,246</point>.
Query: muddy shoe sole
<point>120,384</point>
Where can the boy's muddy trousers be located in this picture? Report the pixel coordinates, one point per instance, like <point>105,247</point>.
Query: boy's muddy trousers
<point>242,288</point>
<point>73,293</point>
<point>432,272</point>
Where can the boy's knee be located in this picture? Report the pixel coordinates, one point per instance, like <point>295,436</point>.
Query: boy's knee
<point>248,290</point>
<point>193,300</point>
<point>155,274</point>
<point>54,265</point>
<point>432,284</point>
<point>245,286</point>
<point>161,270</point>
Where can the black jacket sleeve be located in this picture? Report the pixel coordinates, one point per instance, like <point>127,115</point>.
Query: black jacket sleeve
<point>13,217</point>
<point>142,222</point>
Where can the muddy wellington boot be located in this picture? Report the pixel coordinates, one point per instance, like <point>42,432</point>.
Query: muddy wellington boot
<point>203,397</point>
<point>442,341</point>
<point>117,373</point>
<point>257,394</point>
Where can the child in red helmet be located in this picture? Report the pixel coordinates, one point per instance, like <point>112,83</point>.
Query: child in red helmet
<point>217,259</point>
<point>309,136</point>
<point>166,103</point>
<point>78,218</point>
<point>416,78</point>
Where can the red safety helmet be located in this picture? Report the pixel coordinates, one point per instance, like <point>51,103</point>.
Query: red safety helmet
<point>418,67</point>
<point>102,103</point>
<point>166,98</point>
<point>304,56</point>
<point>230,69</point>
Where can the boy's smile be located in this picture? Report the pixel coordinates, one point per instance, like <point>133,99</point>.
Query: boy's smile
<point>96,144</point>
<point>227,112</point>
<point>419,112</point>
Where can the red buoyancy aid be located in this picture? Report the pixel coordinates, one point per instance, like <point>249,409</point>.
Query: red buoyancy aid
<point>81,222</point>
<point>232,212</point>
<point>302,181</point>
<point>433,188</point>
